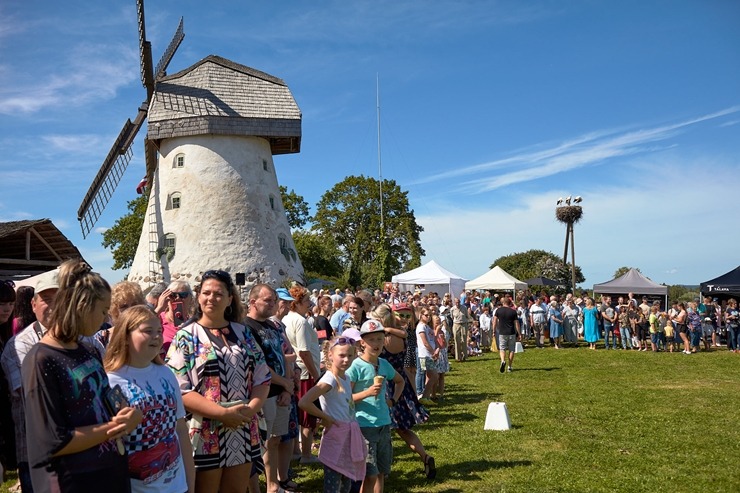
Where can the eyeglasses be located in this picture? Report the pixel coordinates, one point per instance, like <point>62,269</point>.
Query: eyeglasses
<point>219,275</point>
<point>182,295</point>
<point>342,341</point>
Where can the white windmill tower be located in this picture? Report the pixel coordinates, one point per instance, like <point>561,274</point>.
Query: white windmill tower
<point>214,199</point>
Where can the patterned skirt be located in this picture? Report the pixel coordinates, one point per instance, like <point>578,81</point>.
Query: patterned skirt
<point>408,411</point>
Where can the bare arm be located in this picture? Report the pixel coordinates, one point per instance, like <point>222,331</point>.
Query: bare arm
<point>86,437</point>
<point>186,450</point>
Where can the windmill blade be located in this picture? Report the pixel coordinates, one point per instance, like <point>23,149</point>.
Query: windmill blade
<point>159,72</point>
<point>145,53</point>
<point>108,176</point>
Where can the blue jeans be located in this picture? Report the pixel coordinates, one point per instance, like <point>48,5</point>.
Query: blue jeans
<point>695,337</point>
<point>609,331</point>
<point>420,378</point>
<point>733,337</point>
<point>624,333</point>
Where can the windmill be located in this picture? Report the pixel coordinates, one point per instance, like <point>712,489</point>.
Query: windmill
<point>214,200</point>
<point>115,164</point>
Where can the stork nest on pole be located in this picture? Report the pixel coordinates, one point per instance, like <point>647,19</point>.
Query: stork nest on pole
<point>569,214</point>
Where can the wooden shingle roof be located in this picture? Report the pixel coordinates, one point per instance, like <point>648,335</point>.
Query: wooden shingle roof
<point>31,247</point>
<point>221,97</point>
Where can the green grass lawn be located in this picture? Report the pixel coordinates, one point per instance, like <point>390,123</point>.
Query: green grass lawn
<point>582,421</point>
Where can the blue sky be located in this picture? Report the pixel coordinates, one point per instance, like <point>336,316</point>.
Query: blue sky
<point>490,111</point>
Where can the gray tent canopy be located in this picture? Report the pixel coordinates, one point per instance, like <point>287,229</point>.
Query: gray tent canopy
<point>633,282</point>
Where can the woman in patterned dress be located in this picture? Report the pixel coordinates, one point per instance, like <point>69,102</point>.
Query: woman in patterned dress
<point>224,381</point>
<point>408,411</point>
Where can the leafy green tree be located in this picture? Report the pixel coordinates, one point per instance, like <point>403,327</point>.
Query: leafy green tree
<point>319,255</point>
<point>349,214</point>
<point>123,237</point>
<point>535,263</point>
<point>623,270</point>
<point>296,208</point>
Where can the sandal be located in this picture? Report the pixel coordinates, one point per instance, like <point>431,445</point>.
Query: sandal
<point>430,468</point>
<point>289,485</point>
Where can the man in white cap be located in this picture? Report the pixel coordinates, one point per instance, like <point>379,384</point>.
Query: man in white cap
<point>15,351</point>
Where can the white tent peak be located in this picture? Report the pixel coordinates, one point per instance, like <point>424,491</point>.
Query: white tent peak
<point>496,278</point>
<point>433,276</point>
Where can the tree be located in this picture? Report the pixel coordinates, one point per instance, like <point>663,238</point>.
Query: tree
<point>320,256</point>
<point>123,237</point>
<point>296,208</point>
<point>349,214</point>
<point>535,263</point>
<point>623,270</point>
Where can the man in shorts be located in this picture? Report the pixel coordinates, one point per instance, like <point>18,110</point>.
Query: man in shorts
<point>506,320</point>
<point>261,305</point>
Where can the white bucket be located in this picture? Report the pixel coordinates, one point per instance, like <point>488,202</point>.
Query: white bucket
<point>497,417</point>
<point>519,347</point>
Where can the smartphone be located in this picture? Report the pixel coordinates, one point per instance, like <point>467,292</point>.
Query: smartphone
<point>178,313</point>
<point>115,400</point>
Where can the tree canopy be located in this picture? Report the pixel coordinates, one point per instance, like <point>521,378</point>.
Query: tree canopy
<point>123,237</point>
<point>536,263</point>
<point>349,215</point>
<point>319,255</point>
<point>296,208</point>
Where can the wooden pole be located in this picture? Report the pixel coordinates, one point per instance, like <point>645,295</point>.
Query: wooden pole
<point>572,256</point>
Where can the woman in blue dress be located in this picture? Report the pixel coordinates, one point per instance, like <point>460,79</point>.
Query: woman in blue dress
<point>556,323</point>
<point>590,324</point>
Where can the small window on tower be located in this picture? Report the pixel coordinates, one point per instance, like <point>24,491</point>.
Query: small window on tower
<point>264,164</point>
<point>169,240</point>
<point>179,161</point>
<point>175,200</point>
<point>272,202</point>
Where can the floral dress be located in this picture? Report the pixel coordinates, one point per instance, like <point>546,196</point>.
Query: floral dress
<point>225,374</point>
<point>408,411</point>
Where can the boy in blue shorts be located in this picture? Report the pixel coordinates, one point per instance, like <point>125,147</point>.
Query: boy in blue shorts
<point>368,375</point>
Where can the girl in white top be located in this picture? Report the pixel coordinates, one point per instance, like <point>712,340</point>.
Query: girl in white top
<point>343,450</point>
<point>160,456</point>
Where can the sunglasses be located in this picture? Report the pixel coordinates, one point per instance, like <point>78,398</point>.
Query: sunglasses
<point>182,295</point>
<point>405,316</point>
<point>219,275</point>
<point>342,341</point>
<point>8,283</point>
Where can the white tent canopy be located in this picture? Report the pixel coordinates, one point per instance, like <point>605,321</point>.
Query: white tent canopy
<point>496,278</point>
<point>433,277</point>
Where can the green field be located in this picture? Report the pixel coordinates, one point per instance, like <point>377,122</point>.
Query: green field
<point>582,421</point>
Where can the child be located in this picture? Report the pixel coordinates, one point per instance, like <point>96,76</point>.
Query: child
<point>343,450</point>
<point>160,457</point>
<point>368,374</point>
<point>74,438</point>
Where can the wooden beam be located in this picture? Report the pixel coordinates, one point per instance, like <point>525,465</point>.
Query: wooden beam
<point>42,240</point>
<point>18,261</point>
<point>28,244</point>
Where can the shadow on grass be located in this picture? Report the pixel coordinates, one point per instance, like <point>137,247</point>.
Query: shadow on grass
<point>468,471</point>
<point>538,369</point>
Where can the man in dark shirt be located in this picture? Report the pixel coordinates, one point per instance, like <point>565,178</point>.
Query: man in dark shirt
<point>505,319</point>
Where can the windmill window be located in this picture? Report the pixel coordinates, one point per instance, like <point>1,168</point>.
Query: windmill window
<point>264,164</point>
<point>175,200</point>
<point>179,161</point>
<point>272,202</point>
<point>169,240</point>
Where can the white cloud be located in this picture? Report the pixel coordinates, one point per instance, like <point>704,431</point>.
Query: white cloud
<point>665,224</point>
<point>102,229</point>
<point>590,149</point>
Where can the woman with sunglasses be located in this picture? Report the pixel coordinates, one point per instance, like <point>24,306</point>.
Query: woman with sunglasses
<point>177,307</point>
<point>224,382</point>
<point>407,321</point>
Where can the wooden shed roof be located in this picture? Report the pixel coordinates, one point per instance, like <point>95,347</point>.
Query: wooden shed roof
<point>30,247</point>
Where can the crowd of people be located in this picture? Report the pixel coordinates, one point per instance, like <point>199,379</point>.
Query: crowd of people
<point>210,389</point>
